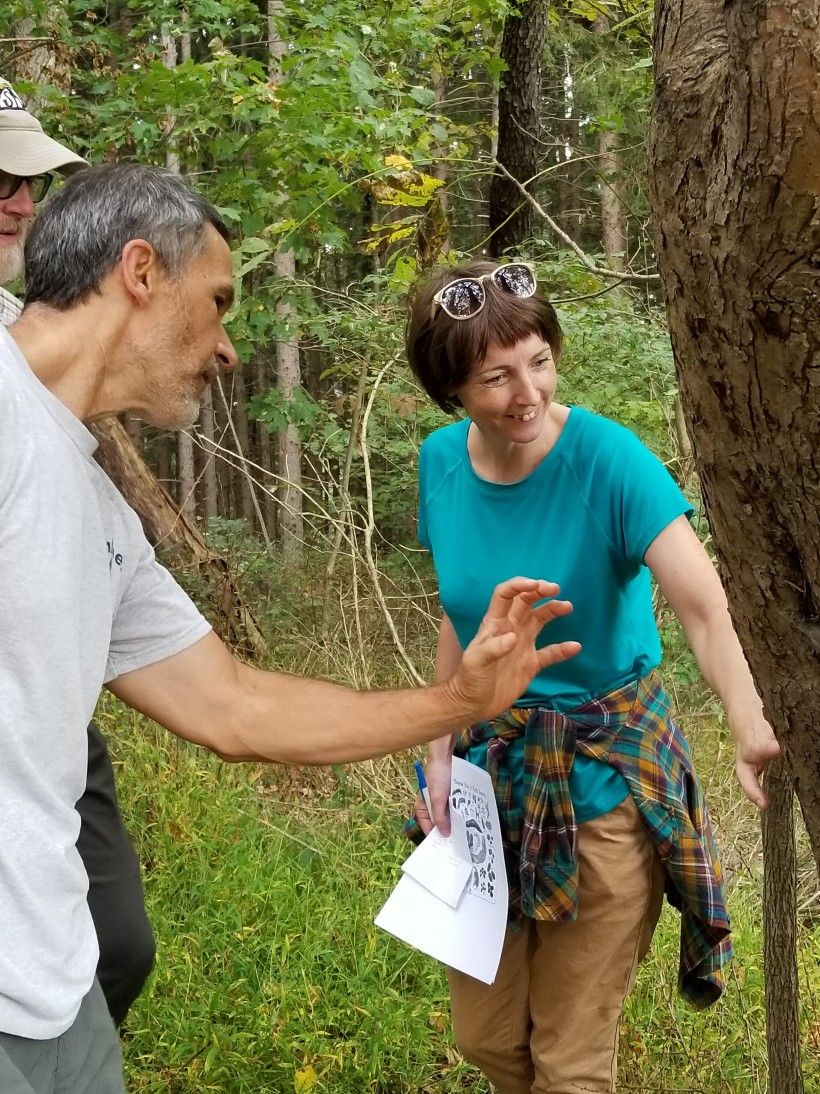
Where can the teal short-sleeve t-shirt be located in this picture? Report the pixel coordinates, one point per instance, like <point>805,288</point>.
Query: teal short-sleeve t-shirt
<point>584,517</point>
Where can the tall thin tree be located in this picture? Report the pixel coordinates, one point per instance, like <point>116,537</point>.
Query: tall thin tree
<point>186,475</point>
<point>288,374</point>
<point>613,221</point>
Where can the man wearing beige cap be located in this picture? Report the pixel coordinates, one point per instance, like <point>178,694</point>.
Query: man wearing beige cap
<point>28,159</point>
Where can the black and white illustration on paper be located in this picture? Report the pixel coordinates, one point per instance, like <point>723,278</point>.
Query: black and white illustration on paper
<point>474,806</point>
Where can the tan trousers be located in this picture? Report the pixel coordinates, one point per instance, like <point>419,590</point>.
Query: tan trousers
<point>549,1023</point>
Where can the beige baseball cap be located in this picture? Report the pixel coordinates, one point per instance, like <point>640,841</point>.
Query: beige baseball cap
<point>25,150</point>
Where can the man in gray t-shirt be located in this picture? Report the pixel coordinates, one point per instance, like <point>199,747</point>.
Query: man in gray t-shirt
<point>128,281</point>
<point>29,160</point>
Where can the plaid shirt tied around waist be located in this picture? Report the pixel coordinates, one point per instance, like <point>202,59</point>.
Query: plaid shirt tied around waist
<point>632,730</point>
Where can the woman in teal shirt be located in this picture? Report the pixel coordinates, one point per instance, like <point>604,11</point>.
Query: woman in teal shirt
<point>600,808</point>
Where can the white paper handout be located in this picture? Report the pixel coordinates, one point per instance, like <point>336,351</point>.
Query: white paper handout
<point>470,935</point>
<point>443,864</point>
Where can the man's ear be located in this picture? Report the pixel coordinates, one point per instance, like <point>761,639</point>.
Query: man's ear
<point>139,268</point>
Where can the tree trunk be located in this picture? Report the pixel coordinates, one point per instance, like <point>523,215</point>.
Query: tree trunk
<point>162,461</point>
<point>519,102</point>
<point>569,189</point>
<point>186,476</point>
<point>210,491</point>
<point>613,221</point>
<point>780,934</point>
<point>288,377</point>
<point>735,182</point>
<point>172,533</point>
<point>239,409</point>
<point>441,171</point>
<point>38,63</point>
<point>264,383</point>
<point>225,475</point>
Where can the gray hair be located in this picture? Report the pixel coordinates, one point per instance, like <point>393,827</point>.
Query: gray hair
<point>79,236</point>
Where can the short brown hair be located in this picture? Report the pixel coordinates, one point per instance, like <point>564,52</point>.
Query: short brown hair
<point>442,350</point>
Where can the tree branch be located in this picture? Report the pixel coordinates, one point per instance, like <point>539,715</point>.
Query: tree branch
<point>601,271</point>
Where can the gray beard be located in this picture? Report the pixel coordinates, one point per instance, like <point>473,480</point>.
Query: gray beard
<point>11,264</point>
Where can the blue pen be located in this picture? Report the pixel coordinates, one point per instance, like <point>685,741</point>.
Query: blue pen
<point>425,793</point>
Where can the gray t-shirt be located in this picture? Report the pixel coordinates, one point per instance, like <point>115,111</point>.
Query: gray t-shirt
<point>83,601</point>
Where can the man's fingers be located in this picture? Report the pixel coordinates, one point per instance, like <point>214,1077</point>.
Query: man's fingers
<point>503,598</point>
<point>521,610</point>
<point>553,609</point>
<point>556,653</point>
<point>491,649</point>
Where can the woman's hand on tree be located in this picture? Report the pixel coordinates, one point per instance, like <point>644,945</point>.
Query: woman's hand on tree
<point>755,747</point>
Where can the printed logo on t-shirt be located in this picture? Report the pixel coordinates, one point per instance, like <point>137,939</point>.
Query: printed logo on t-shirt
<point>9,99</point>
<point>114,557</point>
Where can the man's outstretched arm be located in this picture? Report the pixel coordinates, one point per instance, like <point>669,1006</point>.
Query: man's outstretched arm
<point>205,695</point>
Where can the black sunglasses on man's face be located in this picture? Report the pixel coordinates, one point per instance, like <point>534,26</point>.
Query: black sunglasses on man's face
<point>37,185</point>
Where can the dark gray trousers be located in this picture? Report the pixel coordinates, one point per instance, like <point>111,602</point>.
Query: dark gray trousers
<point>83,1060</point>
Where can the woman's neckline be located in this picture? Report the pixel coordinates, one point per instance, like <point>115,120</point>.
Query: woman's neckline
<point>569,416</point>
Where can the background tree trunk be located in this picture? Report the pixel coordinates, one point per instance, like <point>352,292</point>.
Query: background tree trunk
<point>613,220</point>
<point>239,410</point>
<point>288,379</point>
<point>780,934</point>
<point>569,189</point>
<point>735,182</point>
<point>288,375</point>
<point>264,383</point>
<point>519,102</point>
<point>210,491</point>
<point>186,475</point>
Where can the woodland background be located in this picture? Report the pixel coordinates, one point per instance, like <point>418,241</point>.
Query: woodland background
<point>350,146</point>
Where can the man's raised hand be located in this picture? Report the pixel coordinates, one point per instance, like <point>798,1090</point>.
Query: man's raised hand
<point>501,660</point>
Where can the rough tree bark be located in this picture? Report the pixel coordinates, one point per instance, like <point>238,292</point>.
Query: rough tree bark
<point>780,934</point>
<point>519,100</point>
<point>735,186</point>
<point>735,180</point>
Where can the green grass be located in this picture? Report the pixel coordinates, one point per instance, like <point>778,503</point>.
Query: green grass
<point>262,885</point>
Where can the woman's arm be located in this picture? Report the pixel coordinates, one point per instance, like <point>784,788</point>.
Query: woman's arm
<point>440,752</point>
<point>692,587</point>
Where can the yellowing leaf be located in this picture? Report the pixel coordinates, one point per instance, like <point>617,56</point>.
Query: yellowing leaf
<point>304,1080</point>
<point>396,161</point>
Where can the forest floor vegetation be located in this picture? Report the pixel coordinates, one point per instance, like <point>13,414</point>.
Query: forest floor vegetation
<point>262,884</point>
